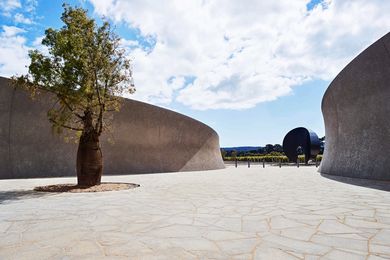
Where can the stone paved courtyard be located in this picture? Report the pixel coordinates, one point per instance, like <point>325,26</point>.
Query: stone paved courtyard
<point>242,213</point>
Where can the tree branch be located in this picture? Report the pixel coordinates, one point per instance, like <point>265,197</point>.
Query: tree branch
<point>65,126</point>
<point>69,107</point>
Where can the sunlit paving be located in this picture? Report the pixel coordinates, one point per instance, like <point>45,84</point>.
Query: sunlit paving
<point>234,213</point>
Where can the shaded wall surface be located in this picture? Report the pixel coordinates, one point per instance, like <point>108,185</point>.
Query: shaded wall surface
<point>147,139</point>
<point>356,109</point>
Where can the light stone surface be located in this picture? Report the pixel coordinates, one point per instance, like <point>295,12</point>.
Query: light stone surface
<point>255,213</point>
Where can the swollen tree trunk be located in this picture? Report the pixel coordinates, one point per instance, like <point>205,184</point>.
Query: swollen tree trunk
<point>89,161</point>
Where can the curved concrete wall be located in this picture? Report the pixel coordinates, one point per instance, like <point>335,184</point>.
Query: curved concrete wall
<point>148,139</point>
<point>356,109</point>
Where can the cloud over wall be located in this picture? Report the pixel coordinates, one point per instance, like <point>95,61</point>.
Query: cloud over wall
<point>241,53</point>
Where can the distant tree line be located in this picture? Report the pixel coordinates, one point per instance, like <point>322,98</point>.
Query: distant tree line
<point>269,149</point>
<point>270,152</point>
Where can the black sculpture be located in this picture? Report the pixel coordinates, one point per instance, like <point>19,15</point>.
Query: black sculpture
<point>301,140</point>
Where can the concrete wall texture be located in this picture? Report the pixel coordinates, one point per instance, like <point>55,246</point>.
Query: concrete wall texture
<point>356,109</point>
<point>147,139</point>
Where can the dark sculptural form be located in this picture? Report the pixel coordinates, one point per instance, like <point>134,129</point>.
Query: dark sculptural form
<point>300,140</point>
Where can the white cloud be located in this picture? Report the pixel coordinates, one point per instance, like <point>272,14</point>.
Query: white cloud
<point>241,53</point>
<point>9,31</point>
<point>8,6</point>
<point>20,18</point>
<point>13,51</point>
<point>30,5</point>
<point>37,44</point>
<point>130,44</point>
<point>22,12</point>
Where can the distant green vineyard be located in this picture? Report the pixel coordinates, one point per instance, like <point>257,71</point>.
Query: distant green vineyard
<point>267,158</point>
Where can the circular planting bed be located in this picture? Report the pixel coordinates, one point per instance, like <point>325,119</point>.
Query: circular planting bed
<point>105,186</point>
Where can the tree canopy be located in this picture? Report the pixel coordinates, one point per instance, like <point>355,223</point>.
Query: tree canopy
<point>84,67</point>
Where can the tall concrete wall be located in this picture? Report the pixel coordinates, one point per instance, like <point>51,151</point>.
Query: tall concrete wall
<point>147,139</point>
<point>356,109</point>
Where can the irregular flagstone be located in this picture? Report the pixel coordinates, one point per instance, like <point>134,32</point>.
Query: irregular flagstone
<point>310,222</point>
<point>242,257</point>
<point>133,248</point>
<point>380,249</point>
<point>10,240</point>
<point>330,211</point>
<point>133,227</point>
<point>382,219</point>
<point>163,254</point>
<point>364,213</point>
<point>256,213</point>
<point>297,245</point>
<point>227,235</point>
<point>31,252</point>
<point>228,223</point>
<point>355,222</point>
<point>262,253</point>
<point>308,216</point>
<point>340,242</point>
<point>194,244</point>
<point>382,238</point>
<point>238,246</point>
<point>112,238</point>
<point>295,254</point>
<point>205,219</point>
<point>334,227</point>
<point>339,254</point>
<point>255,226</point>
<point>215,255</point>
<point>180,220</point>
<point>4,226</point>
<point>376,257</point>
<point>383,211</point>
<point>57,239</point>
<point>83,248</point>
<point>312,257</point>
<point>280,222</point>
<point>301,233</point>
<point>359,236</point>
<point>177,231</point>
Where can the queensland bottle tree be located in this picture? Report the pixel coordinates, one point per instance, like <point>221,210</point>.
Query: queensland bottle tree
<point>87,72</point>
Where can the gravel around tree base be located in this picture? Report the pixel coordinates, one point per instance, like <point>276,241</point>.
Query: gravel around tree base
<point>74,188</point>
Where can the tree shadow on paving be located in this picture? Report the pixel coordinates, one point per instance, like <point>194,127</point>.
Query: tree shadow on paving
<point>15,195</point>
<point>373,184</point>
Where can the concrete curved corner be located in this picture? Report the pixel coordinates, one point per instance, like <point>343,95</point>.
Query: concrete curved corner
<point>356,109</point>
<point>147,139</point>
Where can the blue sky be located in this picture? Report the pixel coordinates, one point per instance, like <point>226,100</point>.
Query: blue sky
<point>252,70</point>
